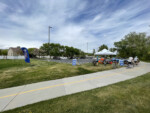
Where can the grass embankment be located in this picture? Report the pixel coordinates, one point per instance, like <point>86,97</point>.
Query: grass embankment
<point>148,61</point>
<point>17,72</point>
<point>131,96</point>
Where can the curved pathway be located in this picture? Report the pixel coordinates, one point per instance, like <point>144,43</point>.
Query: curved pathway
<point>11,98</point>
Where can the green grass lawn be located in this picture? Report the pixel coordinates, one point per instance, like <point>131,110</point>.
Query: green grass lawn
<point>131,96</point>
<point>17,72</point>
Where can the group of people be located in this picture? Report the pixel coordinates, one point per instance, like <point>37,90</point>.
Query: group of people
<point>132,61</point>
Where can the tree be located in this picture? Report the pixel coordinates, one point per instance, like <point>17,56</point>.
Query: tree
<point>134,44</point>
<point>103,47</point>
<point>93,51</point>
<point>4,52</point>
<point>45,48</point>
<point>0,52</point>
<point>41,52</point>
<point>31,54</point>
<point>112,49</point>
<point>82,54</point>
<point>55,49</point>
<point>70,52</point>
<point>60,50</point>
<point>36,52</point>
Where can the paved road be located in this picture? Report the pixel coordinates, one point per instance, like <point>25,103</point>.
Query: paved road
<point>27,94</point>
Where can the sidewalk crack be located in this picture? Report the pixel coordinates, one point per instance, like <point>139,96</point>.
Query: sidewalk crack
<point>13,98</point>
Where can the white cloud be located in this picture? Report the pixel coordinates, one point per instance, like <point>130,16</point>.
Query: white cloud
<point>96,18</point>
<point>31,30</point>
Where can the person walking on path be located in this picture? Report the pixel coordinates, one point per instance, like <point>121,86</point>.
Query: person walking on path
<point>130,61</point>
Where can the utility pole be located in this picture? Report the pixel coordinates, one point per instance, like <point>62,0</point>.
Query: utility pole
<point>49,27</point>
<point>87,47</point>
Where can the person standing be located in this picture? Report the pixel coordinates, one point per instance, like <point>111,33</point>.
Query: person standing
<point>130,61</point>
<point>136,60</point>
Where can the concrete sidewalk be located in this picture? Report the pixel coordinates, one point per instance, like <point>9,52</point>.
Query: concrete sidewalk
<point>11,98</point>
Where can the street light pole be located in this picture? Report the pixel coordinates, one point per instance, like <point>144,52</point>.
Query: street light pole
<point>87,47</point>
<point>49,27</point>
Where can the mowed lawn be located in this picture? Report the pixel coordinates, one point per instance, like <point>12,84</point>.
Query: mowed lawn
<point>17,72</point>
<point>131,96</point>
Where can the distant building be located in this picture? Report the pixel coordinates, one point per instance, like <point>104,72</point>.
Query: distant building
<point>14,51</point>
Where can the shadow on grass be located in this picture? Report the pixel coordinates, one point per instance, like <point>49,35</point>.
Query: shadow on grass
<point>84,71</point>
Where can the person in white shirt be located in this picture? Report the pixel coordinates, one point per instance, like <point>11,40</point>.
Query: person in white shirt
<point>130,60</point>
<point>136,60</point>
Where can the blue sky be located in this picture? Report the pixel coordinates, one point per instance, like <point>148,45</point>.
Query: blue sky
<point>75,22</point>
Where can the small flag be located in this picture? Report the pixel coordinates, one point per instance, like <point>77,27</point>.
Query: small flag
<point>26,54</point>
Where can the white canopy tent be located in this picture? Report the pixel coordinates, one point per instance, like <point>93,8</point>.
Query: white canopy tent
<point>105,52</point>
<point>116,52</point>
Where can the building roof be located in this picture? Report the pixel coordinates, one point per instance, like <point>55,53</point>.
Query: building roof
<point>16,50</point>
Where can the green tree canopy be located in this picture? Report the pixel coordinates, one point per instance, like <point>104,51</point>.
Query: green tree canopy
<point>60,50</point>
<point>134,44</point>
<point>0,52</point>
<point>103,47</point>
<point>33,52</point>
<point>112,49</point>
<point>45,48</point>
<point>4,51</point>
